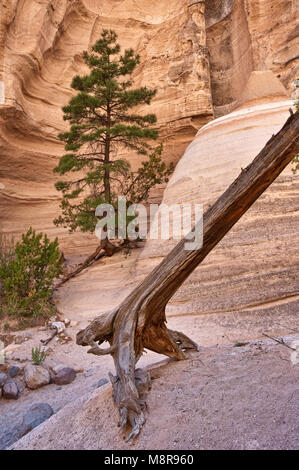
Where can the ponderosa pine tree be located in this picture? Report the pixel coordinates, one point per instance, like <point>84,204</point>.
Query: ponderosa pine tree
<point>102,122</point>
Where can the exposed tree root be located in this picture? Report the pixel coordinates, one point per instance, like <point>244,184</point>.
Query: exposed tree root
<point>139,322</point>
<point>127,342</point>
<point>104,249</point>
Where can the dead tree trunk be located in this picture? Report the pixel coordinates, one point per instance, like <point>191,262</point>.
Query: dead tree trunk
<point>139,322</point>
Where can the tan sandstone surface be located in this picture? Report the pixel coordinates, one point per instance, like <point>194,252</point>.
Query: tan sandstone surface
<point>199,62</point>
<point>249,35</point>
<point>255,268</point>
<point>235,62</point>
<point>42,43</point>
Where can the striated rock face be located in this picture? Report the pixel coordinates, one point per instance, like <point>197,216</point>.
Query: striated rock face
<point>199,54</point>
<point>245,36</point>
<point>257,263</point>
<point>255,267</point>
<point>40,53</point>
<point>206,59</point>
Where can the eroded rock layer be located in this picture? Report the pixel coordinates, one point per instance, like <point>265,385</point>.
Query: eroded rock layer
<point>206,59</point>
<point>248,35</point>
<point>255,267</point>
<point>199,55</point>
<point>257,263</point>
<point>41,47</point>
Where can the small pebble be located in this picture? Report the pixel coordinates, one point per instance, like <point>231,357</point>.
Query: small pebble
<point>13,371</point>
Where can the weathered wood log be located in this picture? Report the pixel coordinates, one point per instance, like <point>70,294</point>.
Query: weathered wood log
<point>139,322</point>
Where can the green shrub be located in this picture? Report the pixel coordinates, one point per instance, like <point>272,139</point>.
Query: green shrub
<point>7,247</point>
<point>296,163</point>
<point>38,356</point>
<point>27,274</point>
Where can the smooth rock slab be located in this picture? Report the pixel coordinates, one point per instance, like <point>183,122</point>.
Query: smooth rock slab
<point>37,414</point>
<point>65,376</point>
<point>36,376</point>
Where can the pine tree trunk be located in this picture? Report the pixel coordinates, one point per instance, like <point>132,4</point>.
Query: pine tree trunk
<point>107,187</point>
<point>139,322</point>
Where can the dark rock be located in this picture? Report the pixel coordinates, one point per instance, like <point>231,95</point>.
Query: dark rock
<point>10,391</point>
<point>37,414</point>
<point>101,382</point>
<point>13,371</point>
<point>65,376</point>
<point>3,379</point>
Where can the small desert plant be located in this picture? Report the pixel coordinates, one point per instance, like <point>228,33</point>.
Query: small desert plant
<point>296,163</point>
<point>27,273</point>
<point>38,355</point>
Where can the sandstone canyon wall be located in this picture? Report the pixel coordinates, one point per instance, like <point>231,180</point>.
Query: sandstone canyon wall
<point>255,268</point>
<point>41,46</point>
<point>245,36</point>
<point>198,54</point>
<point>230,58</point>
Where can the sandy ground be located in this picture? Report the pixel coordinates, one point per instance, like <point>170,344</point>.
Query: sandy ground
<point>207,330</point>
<point>223,397</point>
